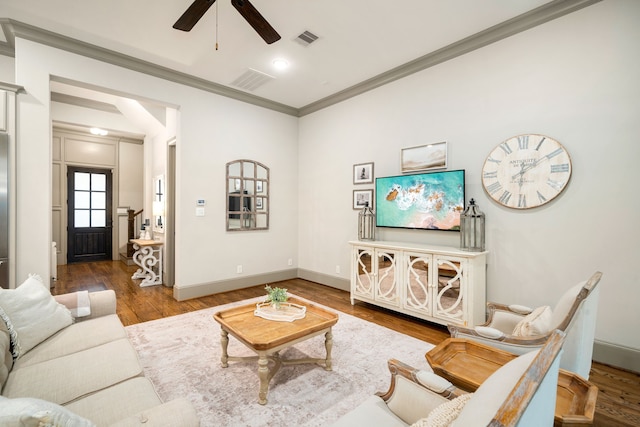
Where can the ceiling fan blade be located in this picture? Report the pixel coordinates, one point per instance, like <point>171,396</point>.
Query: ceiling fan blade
<point>193,14</point>
<point>256,20</point>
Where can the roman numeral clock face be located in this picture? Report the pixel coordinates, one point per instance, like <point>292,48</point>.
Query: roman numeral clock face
<point>526,171</point>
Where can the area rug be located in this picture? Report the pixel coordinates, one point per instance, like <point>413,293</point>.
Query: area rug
<point>181,356</point>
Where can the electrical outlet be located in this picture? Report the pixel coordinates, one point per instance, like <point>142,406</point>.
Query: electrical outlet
<point>290,262</point>
<point>239,269</point>
<point>338,269</point>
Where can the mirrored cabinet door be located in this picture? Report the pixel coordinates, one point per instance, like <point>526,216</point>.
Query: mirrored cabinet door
<point>364,274</point>
<point>418,283</point>
<point>387,277</point>
<point>247,184</point>
<point>450,296</point>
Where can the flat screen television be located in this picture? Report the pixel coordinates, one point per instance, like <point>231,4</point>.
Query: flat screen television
<point>427,201</point>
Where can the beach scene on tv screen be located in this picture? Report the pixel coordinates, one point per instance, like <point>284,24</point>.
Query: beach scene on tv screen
<point>431,201</point>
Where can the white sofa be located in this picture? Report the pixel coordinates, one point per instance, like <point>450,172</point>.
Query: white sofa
<point>86,373</point>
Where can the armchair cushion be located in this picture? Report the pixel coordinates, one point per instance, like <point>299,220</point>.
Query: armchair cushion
<point>488,332</point>
<point>372,412</point>
<point>538,322</point>
<point>433,381</point>
<point>444,414</point>
<point>31,314</point>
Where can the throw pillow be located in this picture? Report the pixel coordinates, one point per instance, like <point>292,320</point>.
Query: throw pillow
<point>444,414</point>
<point>538,322</point>
<point>26,411</point>
<point>32,315</point>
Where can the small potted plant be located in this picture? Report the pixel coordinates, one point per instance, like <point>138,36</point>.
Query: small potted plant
<point>276,296</point>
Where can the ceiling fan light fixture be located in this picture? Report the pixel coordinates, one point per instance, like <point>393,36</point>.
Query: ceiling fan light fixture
<point>280,64</point>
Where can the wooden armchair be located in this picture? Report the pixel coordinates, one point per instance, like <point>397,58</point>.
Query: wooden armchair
<point>574,314</point>
<point>520,393</point>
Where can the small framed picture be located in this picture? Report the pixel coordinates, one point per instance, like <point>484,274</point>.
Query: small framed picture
<point>258,186</point>
<point>363,173</point>
<point>361,198</point>
<point>259,203</point>
<point>237,184</point>
<point>424,157</point>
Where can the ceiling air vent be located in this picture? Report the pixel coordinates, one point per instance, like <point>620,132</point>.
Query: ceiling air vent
<point>306,38</point>
<point>252,79</point>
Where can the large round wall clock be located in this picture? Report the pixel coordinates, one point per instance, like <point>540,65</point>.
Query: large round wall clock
<point>526,171</point>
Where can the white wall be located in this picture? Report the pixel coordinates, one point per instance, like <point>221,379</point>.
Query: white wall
<point>575,79</point>
<point>7,69</point>
<point>212,131</point>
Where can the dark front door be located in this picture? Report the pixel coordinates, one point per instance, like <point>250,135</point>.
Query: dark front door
<point>89,218</point>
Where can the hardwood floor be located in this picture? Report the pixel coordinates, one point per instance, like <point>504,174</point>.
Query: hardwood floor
<point>618,401</point>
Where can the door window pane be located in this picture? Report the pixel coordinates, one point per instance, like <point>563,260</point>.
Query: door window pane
<point>81,218</point>
<point>82,200</point>
<point>98,182</point>
<point>98,200</point>
<point>82,181</point>
<point>98,218</point>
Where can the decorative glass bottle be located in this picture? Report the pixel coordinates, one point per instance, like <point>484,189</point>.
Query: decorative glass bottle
<point>472,228</point>
<point>366,223</point>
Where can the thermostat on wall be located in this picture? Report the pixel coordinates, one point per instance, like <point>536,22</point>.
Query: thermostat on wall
<point>200,202</point>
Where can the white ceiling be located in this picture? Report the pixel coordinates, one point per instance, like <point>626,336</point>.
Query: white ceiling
<point>358,39</point>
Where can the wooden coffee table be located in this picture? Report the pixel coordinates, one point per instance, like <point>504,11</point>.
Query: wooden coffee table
<point>268,337</point>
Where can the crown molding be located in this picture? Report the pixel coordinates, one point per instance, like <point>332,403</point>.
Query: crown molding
<point>11,87</point>
<point>528,20</point>
<point>531,19</point>
<point>84,102</point>
<point>13,29</point>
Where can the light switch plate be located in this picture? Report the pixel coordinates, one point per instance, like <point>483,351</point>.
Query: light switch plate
<point>199,211</point>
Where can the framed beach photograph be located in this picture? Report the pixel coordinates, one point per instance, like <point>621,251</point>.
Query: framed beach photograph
<point>362,197</point>
<point>424,157</point>
<point>363,173</point>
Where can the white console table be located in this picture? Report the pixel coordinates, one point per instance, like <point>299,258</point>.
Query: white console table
<point>440,284</point>
<point>148,256</point>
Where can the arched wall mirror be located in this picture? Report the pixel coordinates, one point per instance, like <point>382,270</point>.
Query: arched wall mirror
<point>247,196</point>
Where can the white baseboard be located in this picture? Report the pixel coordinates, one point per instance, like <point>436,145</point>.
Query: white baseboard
<point>325,279</point>
<point>616,355</point>
<point>182,293</point>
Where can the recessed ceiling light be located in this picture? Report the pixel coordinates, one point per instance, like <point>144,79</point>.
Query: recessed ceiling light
<point>98,131</point>
<point>280,63</point>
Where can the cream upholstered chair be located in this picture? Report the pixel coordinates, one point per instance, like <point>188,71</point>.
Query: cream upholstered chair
<point>520,393</point>
<point>575,314</point>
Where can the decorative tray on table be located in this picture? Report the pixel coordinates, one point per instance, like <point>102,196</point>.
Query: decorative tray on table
<point>467,364</point>
<point>287,312</point>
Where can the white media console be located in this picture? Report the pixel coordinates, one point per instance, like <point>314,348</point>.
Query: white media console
<point>440,284</point>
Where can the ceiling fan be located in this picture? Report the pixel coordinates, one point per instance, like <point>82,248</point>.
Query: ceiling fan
<point>199,7</point>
